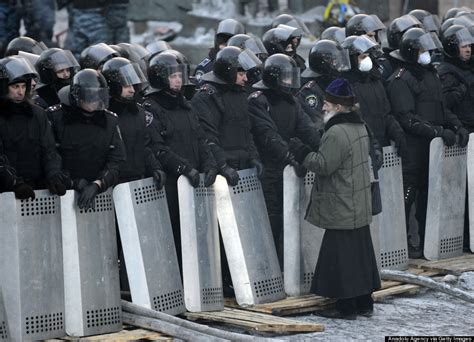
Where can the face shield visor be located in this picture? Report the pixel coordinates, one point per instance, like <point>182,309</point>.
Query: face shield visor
<point>405,22</point>
<point>298,23</point>
<point>30,57</point>
<point>256,46</point>
<point>93,99</point>
<point>339,60</point>
<point>464,37</point>
<point>19,68</point>
<point>177,76</point>
<point>248,60</point>
<point>429,42</point>
<point>64,60</point>
<point>131,74</point>
<point>372,23</point>
<point>431,23</point>
<point>360,45</point>
<point>38,48</point>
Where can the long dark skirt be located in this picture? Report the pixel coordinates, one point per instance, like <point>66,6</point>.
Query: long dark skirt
<point>346,265</point>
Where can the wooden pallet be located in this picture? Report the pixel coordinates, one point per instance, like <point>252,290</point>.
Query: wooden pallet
<point>311,303</point>
<point>456,266</point>
<point>127,334</point>
<point>255,321</point>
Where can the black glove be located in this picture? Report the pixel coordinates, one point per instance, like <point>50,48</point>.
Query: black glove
<point>79,184</point>
<point>463,136</point>
<point>401,145</point>
<point>160,178</point>
<point>7,177</point>
<point>300,170</point>
<point>193,176</point>
<point>426,130</point>
<point>259,166</point>
<point>87,197</point>
<point>23,191</point>
<point>56,186</point>
<point>230,175</point>
<point>299,149</point>
<point>449,137</point>
<point>210,177</point>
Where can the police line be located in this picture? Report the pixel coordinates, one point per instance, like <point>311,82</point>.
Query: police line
<point>61,263</point>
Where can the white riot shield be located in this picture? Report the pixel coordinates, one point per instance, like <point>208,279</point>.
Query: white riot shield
<point>148,246</point>
<point>301,240</point>
<point>248,240</point>
<point>91,276</point>
<point>31,267</point>
<point>393,235</point>
<point>200,245</point>
<point>4,332</point>
<point>470,188</point>
<point>446,201</point>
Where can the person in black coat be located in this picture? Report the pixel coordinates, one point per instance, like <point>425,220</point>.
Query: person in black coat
<point>370,93</point>
<point>28,155</point>
<point>222,108</point>
<point>277,118</point>
<point>177,138</point>
<point>417,102</point>
<point>88,136</point>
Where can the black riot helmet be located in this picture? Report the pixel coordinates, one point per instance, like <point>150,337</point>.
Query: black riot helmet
<point>137,54</point>
<point>280,72</point>
<point>25,44</point>
<point>398,27</point>
<point>279,39</point>
<point>357,45</point>
<point>120,72</point>
<point>430,22</point>
<point>94,56</point>
<point>88,91</point>
<point>327,58</point>
<point>335,33</point>
<point>288,19</point>
<point>454,37</point>
<point>121,51</point>
<point>229,61</point>
<point>414,42</point>
<point>254,44</point>
<point>362,24</point>
<point>157,47</point>
<point>54,60</point>
<point>226,29</point>
<point>15,69</point>
<point>463,21</point>
<point>164,65</point>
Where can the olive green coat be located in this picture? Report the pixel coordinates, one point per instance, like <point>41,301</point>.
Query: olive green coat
<point>341,195</point>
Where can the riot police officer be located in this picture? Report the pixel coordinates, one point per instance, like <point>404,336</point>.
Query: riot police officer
<point>369,91</point>
<point>326,60</point>
<point>28,156</point>
<point>284,39</point>
<point>417,102</point>
<point>226,29</point>
<point>88,136</point>
<point>222,107</point>
<point>124,80</point>
<point>177,138</point>
<point>55,67</point>
<point>276,119</point>
<point>25,44</point>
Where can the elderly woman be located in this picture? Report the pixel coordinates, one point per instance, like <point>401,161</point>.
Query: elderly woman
<point>341,204</point>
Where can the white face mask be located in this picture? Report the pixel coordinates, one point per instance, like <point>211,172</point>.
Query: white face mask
<point>365,64</point>
<point>424,58</point>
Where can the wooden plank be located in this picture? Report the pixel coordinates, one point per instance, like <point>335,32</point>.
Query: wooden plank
<point>455,266</point>
<point>255,321</point>
<point>121,336</point>
<point>407,288</point>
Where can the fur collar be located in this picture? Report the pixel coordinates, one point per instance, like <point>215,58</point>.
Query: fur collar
<point>349,117</point>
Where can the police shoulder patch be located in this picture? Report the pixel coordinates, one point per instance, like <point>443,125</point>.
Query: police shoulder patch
<point>309,84</point>
<point>208,88</point>
<point>148,118</point>
<point>110,113</point>
<point>312,101</point>
<point>255,94</point>
<point>400,73</point>
<point>205,62</point>
<point>54,108</point>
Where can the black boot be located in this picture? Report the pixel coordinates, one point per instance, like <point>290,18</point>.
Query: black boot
<point>365,305</point>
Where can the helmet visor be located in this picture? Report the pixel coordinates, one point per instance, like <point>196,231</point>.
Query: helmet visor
<point>255,45</point>
<point>158,46</point>
<point>298,23</point>
<point>429,41</point>
<point>405,22</point>
<point>30,57</point>
<point>131,74</point>
<point>431,23</point>
<point>290,78</point>
<point>464,37</point>
<point>101,51</point>
<point>19,67</point>
<point>372,23</point>
<point>361,44</point>
<point>230,27</point>
<point>38,48</point>
<point>63,60</point>
<point>248,60</point>
<point>177,76</point>
<point>340,60</point>
<point>93,99</point>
